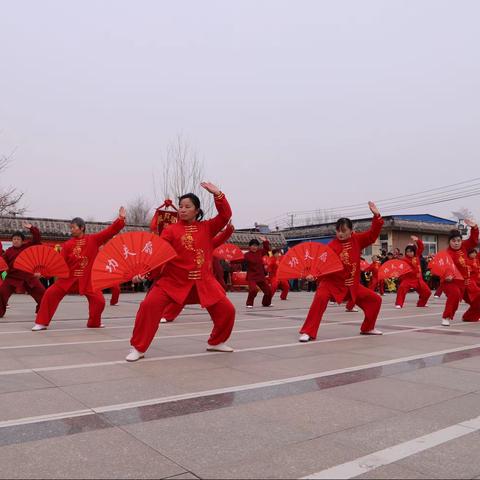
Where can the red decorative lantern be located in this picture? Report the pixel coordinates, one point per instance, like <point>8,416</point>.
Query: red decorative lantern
<point>163,216</point>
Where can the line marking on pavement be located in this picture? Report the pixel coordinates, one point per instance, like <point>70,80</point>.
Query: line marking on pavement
<point>195,355</point>
<point>233,389</point>
<point>158,337</point>
<point>398,452</point>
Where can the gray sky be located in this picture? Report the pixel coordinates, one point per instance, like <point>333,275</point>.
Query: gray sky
<point>293,105</point>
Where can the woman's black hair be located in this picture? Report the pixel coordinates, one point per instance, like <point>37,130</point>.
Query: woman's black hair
<point>343,222</point>
<point>411,248</point>
<point>254,242</point>
<point>454,234</point>
<point>20,234</point>
<point>79,222</point>
<point>196,202</point>
<point>472,250</point>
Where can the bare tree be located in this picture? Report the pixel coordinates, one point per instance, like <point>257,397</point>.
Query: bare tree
<point>138,211</point>
<point>462,213</point>
<point>182,172</point>
<point>9,197</point>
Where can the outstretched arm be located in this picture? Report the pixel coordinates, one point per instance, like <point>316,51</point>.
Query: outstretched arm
<point>223,208</point>
<point>36,237</point>
<point>113,229</point>
<point>472,242</point>
<point>370,236</point>
<point>223,236</point>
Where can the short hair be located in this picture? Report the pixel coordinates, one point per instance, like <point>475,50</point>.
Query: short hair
<point>343,222</point>
<point>472,250</point>
<point>254,241</point>
<point>20,234</point>
<point>411,248</point>
<point>275,250</point>
<point>454,234</point>
<point>79,222</point>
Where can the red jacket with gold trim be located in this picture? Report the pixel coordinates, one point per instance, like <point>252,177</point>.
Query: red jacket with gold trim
<point>80,253</point>
<point>349,251</point>
<point>194,244</point>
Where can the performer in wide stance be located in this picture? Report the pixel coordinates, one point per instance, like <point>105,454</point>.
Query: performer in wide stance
<point>414,279</point>
<point>79,252</point>
<point>345,285</point>
<point>256,272</point>
<point>18,278</point>
<point>467,289</point>
<point>188,278</point>
<point>374,280</point>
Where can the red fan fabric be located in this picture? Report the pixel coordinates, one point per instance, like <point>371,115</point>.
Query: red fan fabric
<point>309,258</point>
<point>443,266</point>
<point>393,269</point>
<point>3,265</point>
<point>127,255</point>
<point>228,251</point>
<point>364,265</point>
<point>44,260</point>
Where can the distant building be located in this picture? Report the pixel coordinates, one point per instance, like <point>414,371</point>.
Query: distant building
<point>395,233</point>
<point>56,231</point>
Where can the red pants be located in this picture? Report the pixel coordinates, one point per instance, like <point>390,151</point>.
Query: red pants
<point>350,305</point>
<point>367,300</point>
<point>115,295</point>
<point>283,285</point>
<point>374,283</point>
<point>152,309</point>
<point>252,292</point>
<point>36,290</point>
<point>54,295</point>
<point>439,291</point>
<point>172,311</point>
<point>455,291</point>
<point>419,285</point>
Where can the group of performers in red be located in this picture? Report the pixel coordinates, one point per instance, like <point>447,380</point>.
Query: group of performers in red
<point>190,277</point>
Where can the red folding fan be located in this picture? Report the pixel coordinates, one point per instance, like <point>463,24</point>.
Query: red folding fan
<point>3,265</point>
<point>42,259</point>
<point>127,255</point>
<point>309,258</point>
<point>364,265</point>
<point>393,269</point>
<point>228,251</point>
<point>443,266</point>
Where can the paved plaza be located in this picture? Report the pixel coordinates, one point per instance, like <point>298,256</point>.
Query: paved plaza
<point>404,405</point>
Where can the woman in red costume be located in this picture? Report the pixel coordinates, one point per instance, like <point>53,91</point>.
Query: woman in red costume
<point>455,290</point>
<point>474,266</point>
<point>188,278</point>
<point>414,279</point>
<point>17,278</point>
<point>256,272</point>
<point>345,285</point>
<point>374,280</point>
<point>79,252</point>
<point>115,295</point>
<point>173,310</point>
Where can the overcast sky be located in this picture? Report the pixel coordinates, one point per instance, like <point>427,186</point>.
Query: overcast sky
<point>292,105</point>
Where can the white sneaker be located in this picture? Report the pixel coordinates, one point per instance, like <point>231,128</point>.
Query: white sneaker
<point>249,306</point>
<point>352,310</point>
<point>37,327</point>
<point>372,332</point>
<point>134,355</point>
<point>221,347</point>
<point>332,303</point>
<point>398,306</point>
<point>304,337</point>
<point>445,322</point>
<point>163,320</point>
<point>436,296</point>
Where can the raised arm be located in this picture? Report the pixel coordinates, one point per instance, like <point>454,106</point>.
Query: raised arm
<point>111,230</point>
<point>36,237</point>
<point>370,236</point>
<point>216,224</point>
<point>419,244</point>
<point>472,242</point>
<point>265,246</point>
